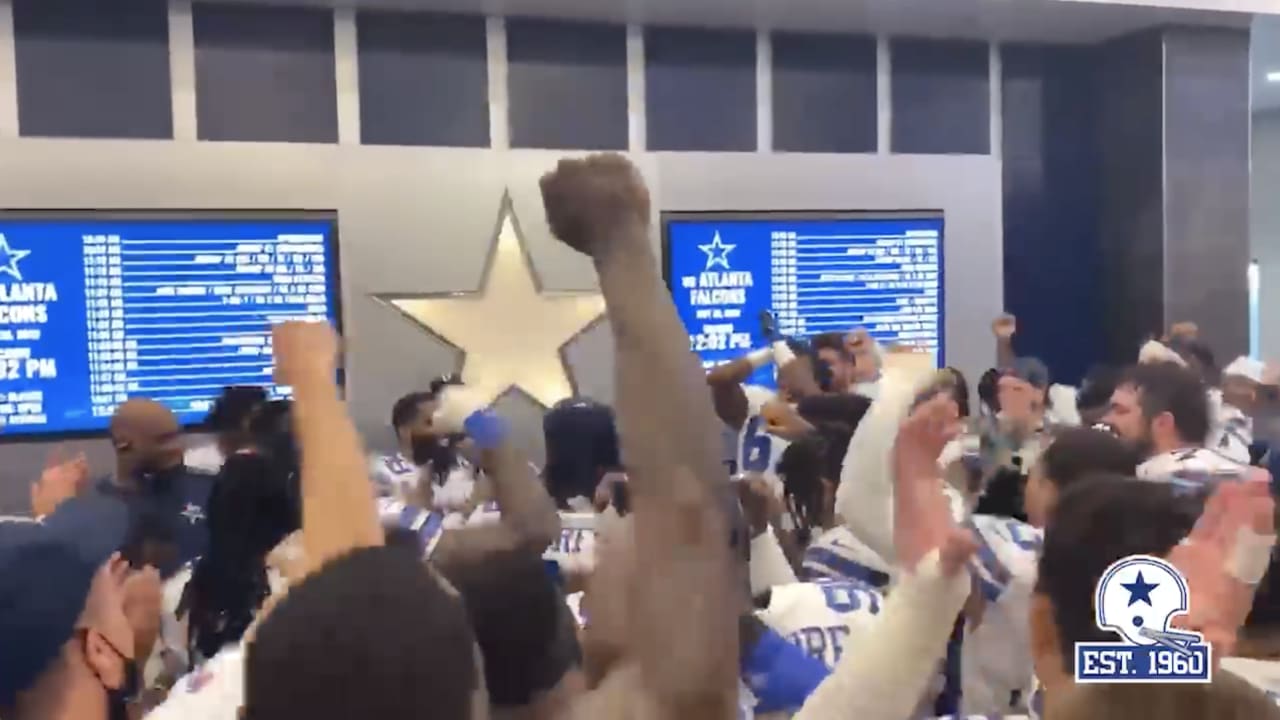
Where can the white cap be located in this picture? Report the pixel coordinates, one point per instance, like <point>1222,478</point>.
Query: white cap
<point>1245,367</point>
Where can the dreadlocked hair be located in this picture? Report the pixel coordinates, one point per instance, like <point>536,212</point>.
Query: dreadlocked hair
<point>254,505</point>
<point>801,469</point>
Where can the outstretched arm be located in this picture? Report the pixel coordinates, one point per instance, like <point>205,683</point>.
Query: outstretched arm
<point>1004,328</point>
<point>338,511</point>
<point>884,677</point>
<point>527,517</point>
<point>681,635</point>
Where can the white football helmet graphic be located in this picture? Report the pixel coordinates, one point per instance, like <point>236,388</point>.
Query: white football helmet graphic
<point>1138,597</point>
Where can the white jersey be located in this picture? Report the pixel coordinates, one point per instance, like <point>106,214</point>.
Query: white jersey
<point>758,451</point>
<point>1192,467</point>
<point>429,525</point>
<point>396,476</point>
<point>1231,432</point>
<point>837,555</point>
<point>574,551</point>
<point>997,663</point>
<point>822,618</point>
<point>213,692</point>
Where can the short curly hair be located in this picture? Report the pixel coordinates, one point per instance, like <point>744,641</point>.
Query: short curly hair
<point>372,634</point>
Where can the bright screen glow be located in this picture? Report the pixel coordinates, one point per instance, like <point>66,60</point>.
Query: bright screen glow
<point>96,308</point>
<point>817,273</point>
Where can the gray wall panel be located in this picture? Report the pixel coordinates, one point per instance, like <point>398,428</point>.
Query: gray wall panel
<point>424,79</point>
<point>265,74</point>
<point>824,93</point>
<point>1132,191</point>
<point>90,68</point>
<point>410,222</point>
<point>567,84</point>
<point>941,96</point>
<point>1207,184</point>
<point>700,88</point>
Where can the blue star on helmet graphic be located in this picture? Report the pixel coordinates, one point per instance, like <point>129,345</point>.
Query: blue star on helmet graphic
<point>717,252</point>
<point>1139,590</point>
<point>9,259</point>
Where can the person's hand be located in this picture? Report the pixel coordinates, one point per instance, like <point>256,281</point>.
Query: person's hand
<point>1220,600</point>
<point>587,201</point>
<point>782,420</point>
<point>304,349</point>
<point>61,479</point>
<point>1004,327</point>
<point>1184,331</point>
<point>858,342</point>
<point>454,405</point>
<point>604,491</point>
<point>760,504</point>
<point>143,601</point>
<point>922,518</point>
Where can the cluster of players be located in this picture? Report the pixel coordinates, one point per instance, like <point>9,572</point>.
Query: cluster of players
<point>877,546</point>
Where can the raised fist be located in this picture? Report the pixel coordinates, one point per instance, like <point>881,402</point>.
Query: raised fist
<point>858,342</point>
<point>1184,331</point>
<point>1005,326</point>
<point>589,200</point>
<point>300,348</point>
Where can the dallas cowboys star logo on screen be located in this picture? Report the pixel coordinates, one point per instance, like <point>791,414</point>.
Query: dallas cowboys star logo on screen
<point>9,258</point>
<point>717,252</point>
<point>1138,598</point>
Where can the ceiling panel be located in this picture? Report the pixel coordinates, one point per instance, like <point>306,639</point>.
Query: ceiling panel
<point>1029,20</point>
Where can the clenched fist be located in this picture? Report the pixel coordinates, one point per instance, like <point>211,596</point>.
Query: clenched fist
<point>303,349</point>
<point>1005,326</point>
<point>588,201</point>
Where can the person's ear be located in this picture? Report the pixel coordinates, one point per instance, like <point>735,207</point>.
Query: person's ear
<point>103,659</point>
<point>1164,423</point>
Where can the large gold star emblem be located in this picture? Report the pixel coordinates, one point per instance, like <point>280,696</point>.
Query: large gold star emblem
<point>511,332</point>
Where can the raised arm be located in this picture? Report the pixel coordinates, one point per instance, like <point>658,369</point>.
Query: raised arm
<point>527,514</point>
<point>725,381</point>
<point>1004,328</point>
<point>681,633</point>
<point>338,511</point>
<point>885,675</point>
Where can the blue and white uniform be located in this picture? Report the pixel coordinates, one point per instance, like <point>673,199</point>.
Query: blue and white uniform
<point>997,662</point>
<point>1191,467</point>
<point>574,550</point>
<point>396,476</point>
<point>822,618</point>
<point>837,554</point>
<point>758,450</point>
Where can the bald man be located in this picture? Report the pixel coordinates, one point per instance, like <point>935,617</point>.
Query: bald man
<point>166,500</point>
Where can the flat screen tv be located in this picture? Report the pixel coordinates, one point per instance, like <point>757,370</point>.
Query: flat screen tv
<point>98,307</point>
<point>816,271</point>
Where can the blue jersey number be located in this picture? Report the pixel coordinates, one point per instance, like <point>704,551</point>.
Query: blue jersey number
<point>845,597</point>
<point>757,447</point>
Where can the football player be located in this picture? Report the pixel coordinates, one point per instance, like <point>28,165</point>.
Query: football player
<point>427,462</point>
<point>1163,410</point>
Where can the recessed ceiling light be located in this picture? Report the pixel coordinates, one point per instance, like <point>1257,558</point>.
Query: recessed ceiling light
<point>1273,76</point>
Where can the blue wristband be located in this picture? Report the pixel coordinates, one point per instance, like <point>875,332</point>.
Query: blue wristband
<point>487,429</point>
<point>780,674</point>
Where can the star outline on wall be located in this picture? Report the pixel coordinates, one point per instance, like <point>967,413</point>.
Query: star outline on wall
<point>493,373</point>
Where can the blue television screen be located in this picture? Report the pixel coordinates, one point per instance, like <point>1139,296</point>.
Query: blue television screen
<point>817,273</point>
<point>96,308</point>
